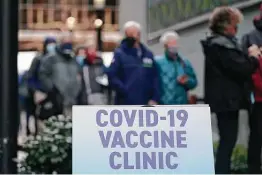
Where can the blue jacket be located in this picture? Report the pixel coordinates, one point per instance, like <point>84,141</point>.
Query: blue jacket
<point>21,83</point>
<point>173,93</point>
<point>133,75</point>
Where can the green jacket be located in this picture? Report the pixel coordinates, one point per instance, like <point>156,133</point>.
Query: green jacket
<point>172,92</point>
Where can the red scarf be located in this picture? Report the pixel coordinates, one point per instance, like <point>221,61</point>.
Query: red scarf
<point>91,56</point>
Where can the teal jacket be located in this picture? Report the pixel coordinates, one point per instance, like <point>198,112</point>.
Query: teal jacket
<point>172,92</point>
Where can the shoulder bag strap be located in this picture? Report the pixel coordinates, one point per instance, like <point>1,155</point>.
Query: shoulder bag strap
<point>87,80</point>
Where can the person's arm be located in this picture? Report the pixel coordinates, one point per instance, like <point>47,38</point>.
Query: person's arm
<point>113,73</point>
<point>32,72</point>
<point>156,85</point>
<point>45,73</point>
<point>191,82</point>
<point>245,43</point>
<point>236,64</point>
<point>33,67</point>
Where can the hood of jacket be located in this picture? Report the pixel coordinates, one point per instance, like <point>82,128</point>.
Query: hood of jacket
<point>258,22</point>
<point>47,41</point>
<point>221,40</point>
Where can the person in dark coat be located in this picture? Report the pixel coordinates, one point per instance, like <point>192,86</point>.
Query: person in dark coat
<point>93,68</point>
<point>133,73</point>
<point>33,81</point>
<point>62,78</point>
<point>255,122</point>
<point>254,37</point>
<point>227,68</point>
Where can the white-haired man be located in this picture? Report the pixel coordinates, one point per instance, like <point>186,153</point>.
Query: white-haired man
<point>177,76</point>
<point>133,73</point>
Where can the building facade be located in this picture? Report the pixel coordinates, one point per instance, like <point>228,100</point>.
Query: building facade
<point>52,14</point>
<point>40,16</point>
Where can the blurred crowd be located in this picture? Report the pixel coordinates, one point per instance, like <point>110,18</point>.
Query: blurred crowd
<point>62,76</point>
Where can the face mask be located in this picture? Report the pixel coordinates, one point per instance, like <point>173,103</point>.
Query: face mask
<point>67,48</point>
<point>130,41</point>
<point>80,60</point>
<point>172,50</point>
<point>50,48</point>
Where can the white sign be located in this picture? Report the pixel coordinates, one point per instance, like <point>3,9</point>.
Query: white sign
<point>142,140</point>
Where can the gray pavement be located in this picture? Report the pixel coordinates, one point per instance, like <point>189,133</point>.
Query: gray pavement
<point>190,47</point>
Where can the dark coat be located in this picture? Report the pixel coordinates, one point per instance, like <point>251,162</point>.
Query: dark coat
<point>134,76</point>
<point>227,70</point>
<point>253,37</point>
<point>95,70</point>
<point>95,91</point>
<point>61,74</point>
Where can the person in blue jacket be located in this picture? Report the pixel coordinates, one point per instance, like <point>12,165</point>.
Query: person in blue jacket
<point>133,74</point>
<point>177,76</point>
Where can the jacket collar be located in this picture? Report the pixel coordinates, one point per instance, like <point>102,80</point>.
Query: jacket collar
<point>178,58</point>
<point>224,40</point>
<point>134,50</point>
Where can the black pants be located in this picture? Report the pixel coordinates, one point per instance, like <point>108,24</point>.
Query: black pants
<point>255,140</point>
<point>228,131</point>
<point>30,109</point>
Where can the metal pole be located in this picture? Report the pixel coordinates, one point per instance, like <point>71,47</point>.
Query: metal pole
<point>99,30</point>
<point>99,39</point>
<point>8,85</point>
<point>100,13</point>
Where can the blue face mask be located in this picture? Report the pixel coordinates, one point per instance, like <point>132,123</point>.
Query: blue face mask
<point>67,48</point>
<point>51,48</point>
<point>172,50</point>
<point>80,59</point>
